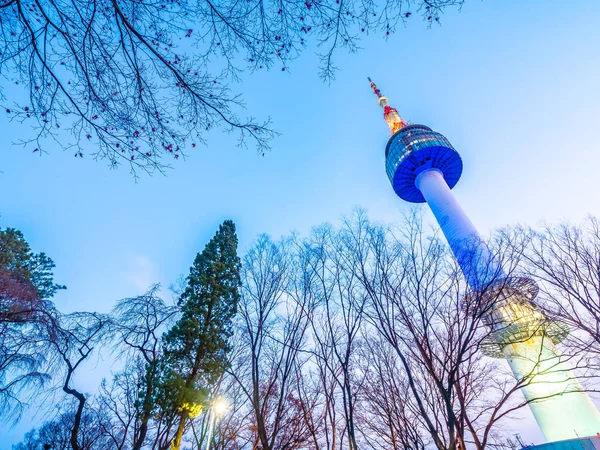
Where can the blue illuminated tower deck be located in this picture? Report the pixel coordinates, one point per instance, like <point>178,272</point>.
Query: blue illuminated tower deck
<point>423,166</point>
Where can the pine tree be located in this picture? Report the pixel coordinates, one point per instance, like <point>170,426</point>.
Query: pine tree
<point>196,347</point>
<point>18,264</point>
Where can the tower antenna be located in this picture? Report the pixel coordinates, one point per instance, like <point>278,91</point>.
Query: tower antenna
<point>391,116</point>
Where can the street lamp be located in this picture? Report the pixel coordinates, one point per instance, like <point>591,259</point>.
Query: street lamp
<point>218,408</point>
<point>220,405</point>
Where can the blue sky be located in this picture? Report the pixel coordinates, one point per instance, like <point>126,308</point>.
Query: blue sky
<point>513,85</point>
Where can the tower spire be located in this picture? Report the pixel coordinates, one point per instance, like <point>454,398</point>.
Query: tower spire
<point>390,114</point>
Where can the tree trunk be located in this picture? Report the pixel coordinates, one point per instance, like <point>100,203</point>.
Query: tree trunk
<point>179,434</point>
<point>137,445</point>
<point>77,422</point>
<point>147,412</point>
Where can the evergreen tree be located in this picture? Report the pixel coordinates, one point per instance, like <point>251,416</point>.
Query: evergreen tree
<point>196,347</point>
<point>19,263</point>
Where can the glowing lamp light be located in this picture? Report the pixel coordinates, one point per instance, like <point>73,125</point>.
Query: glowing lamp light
<point>219,406</point>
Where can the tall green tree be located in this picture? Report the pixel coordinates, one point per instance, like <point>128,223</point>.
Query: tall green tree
<point>196,347</point>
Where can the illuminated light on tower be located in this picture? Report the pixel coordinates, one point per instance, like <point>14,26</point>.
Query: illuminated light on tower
<point>423,167</point>
<point>390,114</point>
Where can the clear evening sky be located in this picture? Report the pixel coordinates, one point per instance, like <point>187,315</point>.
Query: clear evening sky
<point>515,86</point>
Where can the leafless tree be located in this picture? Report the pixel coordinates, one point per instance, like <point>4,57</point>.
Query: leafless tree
<point>117,406</point>
<point>140,322</point>
<point>25,319</point>
<point>21,356</point>
<point>229,426</point>
<point>385,415</point>
<point>73,338</point>
<point>273,329</point>
<point>135,82</point>
<point>55,434</point>
<point>336,323</point>
<point>565,260</point>
<point>437,329</point>
<point>317,409</point>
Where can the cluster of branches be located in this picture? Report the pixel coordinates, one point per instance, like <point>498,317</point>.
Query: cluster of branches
<point>565,261</point>
<point>356,337</point>
<point>25,316</point>
<point>140,81</point>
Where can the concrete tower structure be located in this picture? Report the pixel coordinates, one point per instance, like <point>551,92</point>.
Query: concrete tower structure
<point>423,167</point>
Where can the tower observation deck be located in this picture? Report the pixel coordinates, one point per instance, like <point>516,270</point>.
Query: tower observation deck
<point>423,166</point>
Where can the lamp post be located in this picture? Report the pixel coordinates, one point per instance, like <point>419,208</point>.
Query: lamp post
<point>218,407</point>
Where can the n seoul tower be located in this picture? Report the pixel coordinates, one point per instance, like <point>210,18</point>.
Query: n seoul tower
<point>423,167</point>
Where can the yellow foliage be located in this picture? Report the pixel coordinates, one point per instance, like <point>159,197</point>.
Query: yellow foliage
<point>193,410</point>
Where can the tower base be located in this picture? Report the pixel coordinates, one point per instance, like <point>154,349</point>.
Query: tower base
<point>586,443</point>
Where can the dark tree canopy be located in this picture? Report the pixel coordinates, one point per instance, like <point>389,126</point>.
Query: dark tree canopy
<point>137,81</point>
